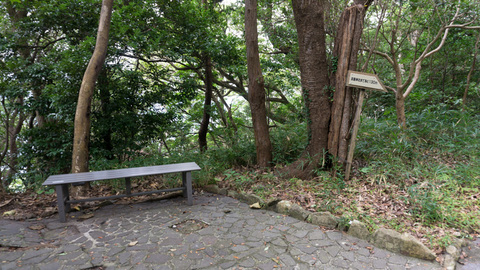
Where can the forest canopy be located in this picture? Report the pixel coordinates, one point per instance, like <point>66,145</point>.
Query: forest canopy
<point>175,84</point>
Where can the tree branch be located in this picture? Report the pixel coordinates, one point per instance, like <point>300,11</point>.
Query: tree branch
<point>426,53</point>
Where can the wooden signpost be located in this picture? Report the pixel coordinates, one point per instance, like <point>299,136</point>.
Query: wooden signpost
<point>361,81</point>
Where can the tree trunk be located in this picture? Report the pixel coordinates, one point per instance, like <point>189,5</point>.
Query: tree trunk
<point>207,105</point>
<point>82,116</point>
<point>400,108</point>
<point>309,20</point>
<point>14,128</point>
<point>346,48</point>
<point>256,89</point>
<point>202,132</point>
<point>229,112</point>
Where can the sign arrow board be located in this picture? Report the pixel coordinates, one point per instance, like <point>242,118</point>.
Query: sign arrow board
<point>364,81</point>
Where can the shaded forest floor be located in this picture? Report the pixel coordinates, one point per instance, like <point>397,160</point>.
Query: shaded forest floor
<point>35,205</point>
<point>369,199</point>
<point>435,214</point>
<point>424,180</point>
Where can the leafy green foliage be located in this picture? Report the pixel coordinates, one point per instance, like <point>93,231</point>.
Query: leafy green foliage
<point>48,152</point>
<point>288,141</point>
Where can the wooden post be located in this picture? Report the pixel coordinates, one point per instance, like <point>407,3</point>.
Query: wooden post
<point>356,125</point>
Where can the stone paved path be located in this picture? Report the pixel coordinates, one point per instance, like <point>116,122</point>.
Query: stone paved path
<point>215,233</point>
<point>472,261</point>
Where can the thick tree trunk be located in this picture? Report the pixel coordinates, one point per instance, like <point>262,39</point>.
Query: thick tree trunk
<point>82,116</point>
<point>256,90</point>
<point>202,132</point>
<point>346,48</point>
<point>309,20</point>
<point>328,127</point>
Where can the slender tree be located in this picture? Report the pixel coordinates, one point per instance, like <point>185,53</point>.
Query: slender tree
<point>413,36</point>
<point>256,87</point>
<point>208,80</point>
<point>82,116</point>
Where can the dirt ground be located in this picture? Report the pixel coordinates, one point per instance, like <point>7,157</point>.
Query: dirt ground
<point>33,205</point>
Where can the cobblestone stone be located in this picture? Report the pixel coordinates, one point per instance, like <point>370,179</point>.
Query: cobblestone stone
<point>141,236</point>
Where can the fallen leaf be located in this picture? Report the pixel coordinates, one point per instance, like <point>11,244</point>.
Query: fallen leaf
<point>133,243</point>
<point>86,216</point>
<point>255,206</point>
<point>9,213</point>
<point>37,227</point>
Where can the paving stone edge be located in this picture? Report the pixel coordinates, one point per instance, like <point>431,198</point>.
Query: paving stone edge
<point>394,241</point>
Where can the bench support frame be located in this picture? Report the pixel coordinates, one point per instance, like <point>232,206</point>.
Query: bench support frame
<point>63,195</point>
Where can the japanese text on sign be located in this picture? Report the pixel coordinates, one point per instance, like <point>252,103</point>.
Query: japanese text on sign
<point>364,81</point>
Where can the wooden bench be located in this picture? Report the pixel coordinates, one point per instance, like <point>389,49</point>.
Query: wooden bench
<point>62,181</point>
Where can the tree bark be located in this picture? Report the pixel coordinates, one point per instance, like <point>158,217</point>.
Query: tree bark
<point>82,116</point>
<point>13,127</point>
<point>400,109</point>
<point>309,20</point>
<point>203,130</point>
<point>256,87</point>
<point>207,105</point>
<point>346,48</point>
<point>229,112</point>
<point>13,131</point>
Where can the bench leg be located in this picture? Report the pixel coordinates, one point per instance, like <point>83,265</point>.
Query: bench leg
<point>62,197</point>
<point>128,186</point>
<point>187,184</point>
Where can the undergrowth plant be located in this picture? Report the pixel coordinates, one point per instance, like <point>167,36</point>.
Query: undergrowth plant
<point>435,160</point>
<point>424,203</point>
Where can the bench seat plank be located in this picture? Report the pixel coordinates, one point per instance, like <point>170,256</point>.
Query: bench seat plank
<point>62,181</point>
<point>120,173</point>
